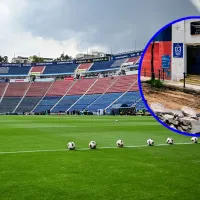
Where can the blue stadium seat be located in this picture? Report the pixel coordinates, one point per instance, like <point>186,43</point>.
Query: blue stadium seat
<point>104,101</point>
<point>19,70</point>
<point>100,66</point>
<point>27,104</point>
<point>118,63</point>
<point>8,104</point>
<point>129,98</point>
<point>140,105</point>
<point>47,103</point>
<point>65,103</point>
<point>4,70</point>
<point>84,102</point>
<point>60,69</point>
<point>14,71</point>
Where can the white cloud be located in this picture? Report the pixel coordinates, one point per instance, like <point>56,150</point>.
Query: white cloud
<point>14,40</point>
<point>49,27</point>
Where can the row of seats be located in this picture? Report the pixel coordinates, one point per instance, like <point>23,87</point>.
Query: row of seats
<point>81,86</point>
<point>88,102</point>
<point>16,89</point>
<point>59,88</point>
<point>28,104</point>
<point>39,69</point>
<point>84,66</point>
<point>60,69</point>
<point>8,104</point>
<point>65,68</point>
<point>90,94</point>
<point>17,71</point>
<point>2,88</point>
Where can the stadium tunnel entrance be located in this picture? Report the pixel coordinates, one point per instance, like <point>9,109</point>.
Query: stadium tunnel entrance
<point>193,59</point>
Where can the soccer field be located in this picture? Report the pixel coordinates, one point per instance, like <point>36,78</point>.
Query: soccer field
<point>35,165</point>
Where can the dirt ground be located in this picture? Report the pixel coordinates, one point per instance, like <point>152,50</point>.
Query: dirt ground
<point>170,98</point>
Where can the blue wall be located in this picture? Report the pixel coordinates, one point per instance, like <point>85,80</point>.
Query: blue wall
<point>165,35</point>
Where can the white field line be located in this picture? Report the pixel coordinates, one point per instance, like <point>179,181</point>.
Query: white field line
<point>82,149</point>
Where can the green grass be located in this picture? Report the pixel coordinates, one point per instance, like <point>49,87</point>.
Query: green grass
<point>143,173</point>
<point>155,83</point>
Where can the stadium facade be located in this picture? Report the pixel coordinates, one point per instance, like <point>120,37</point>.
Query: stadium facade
<point>176,50</point>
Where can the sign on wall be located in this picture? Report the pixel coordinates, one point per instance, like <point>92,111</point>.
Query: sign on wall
<point>178,50</point>
<point>35,73</point>
<point>19,80</point>
<point>166,61</point>
<point>44,79</point>
<point>92,60</point>
<point>195,28</point>
<point>130,55</point>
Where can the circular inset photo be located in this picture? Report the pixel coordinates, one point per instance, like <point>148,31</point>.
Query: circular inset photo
<point>169,76</point>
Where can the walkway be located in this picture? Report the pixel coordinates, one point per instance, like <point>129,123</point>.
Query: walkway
<point>177,84</point>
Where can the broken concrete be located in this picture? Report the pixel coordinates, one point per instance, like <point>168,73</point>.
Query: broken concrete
<point>185,120</point>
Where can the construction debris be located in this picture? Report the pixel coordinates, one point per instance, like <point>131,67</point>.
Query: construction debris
<point>184,120</point>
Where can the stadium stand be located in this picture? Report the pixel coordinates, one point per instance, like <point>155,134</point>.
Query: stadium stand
<point>103,101</point>
<point>100,90</point>
<point>12,96</point>
<point>47,103</point>
<point>2,88</point>
<point>18,71</point>
<point>133,60</point>
<point>81,86</point>
<point>85,101</point>
<point>134,87</point>
<point>38,89</point>
<point>129,98</point>
<point>37,69</point>
<point>102,66</point>
<point>118,63</point>
<point>59,88</point>
<point>27,104</point>
<point>34,94</point>
<point>75,92</point>
<point>60,69</point>
<point>16,90</point>
<point>55,93</point>
<point>101,85</point>
<point>139,104</point>
<point>122,84</point>
<point>8,104</point>
<point>4,70</point>
<point>84,66</point>
<point>65,103</point>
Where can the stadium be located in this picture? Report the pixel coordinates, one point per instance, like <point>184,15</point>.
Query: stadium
<point>49,108</point>
<point>91,85</point>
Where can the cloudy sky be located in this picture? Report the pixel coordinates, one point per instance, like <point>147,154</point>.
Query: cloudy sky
<point>49,27</point>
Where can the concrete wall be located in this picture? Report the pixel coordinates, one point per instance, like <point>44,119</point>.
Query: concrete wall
<point>177,64</point>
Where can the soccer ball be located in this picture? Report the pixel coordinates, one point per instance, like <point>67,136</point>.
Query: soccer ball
<point>71,146</point>
<point>92,145</point>
<point>170,141</point>
<point>120,143</point>
<point>150,142</point>
<point>116,120</point>
<point>194,139</point>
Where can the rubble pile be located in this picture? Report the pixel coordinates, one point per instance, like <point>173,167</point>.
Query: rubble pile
<point>184,120</point>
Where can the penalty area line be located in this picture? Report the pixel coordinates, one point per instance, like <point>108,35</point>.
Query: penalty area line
<point>83,149</point>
